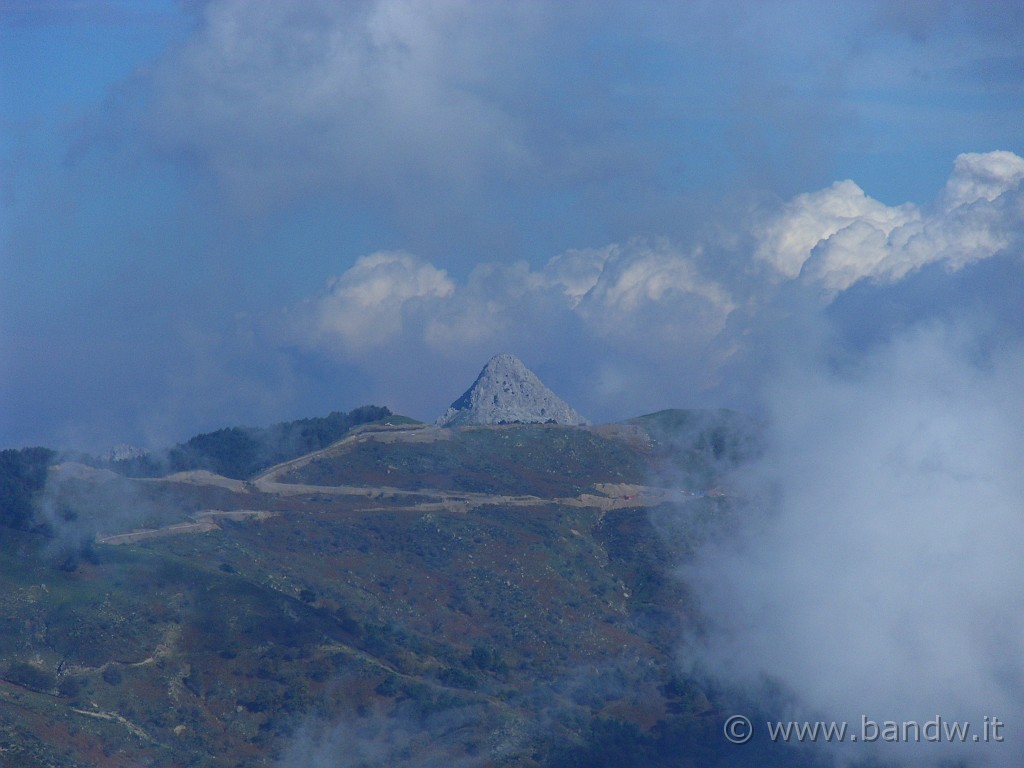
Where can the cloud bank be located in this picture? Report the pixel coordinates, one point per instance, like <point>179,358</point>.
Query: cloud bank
<point>602,319</point>
<point>877,572</point>
<point>837,236</point>
<point>630,301</point>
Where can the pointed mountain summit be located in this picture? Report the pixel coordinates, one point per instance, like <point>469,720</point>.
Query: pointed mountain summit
<point>507,392</point>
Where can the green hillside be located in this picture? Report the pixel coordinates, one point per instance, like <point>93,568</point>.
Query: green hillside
<point>406,597</point>
<point>544,459</point>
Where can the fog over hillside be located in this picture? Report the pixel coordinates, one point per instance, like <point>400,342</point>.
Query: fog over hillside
<point>877,572</point>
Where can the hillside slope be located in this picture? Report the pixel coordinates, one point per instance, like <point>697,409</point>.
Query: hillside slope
<point>408,596</point>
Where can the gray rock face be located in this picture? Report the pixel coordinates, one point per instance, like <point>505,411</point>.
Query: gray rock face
<point>124,452</point>
<point>507,392</point>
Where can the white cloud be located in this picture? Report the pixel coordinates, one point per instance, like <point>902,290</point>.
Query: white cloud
<point>786,241</point>
<point>652,294</point>
<point>278,99</point>
<point>494,299</point>
<point>615,293</point>
<point>881,575</point>
<point>834,237</point>
<point>598,315</point>
<point>982,176</point>
<point>366,306</point>
<point>577,271</point>
<point>632,279</point>
<point>648,308</point>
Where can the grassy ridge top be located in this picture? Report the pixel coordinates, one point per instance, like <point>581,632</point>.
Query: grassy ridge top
<point>541,459</point>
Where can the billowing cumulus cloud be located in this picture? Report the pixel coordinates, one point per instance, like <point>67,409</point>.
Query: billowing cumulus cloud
<point>367,306</point>
<point>615,292</point>
<point>605,314</point>
<point>839,235</point>
<point>786,242</point>
<point>659,290</point>
<point>646,300</point>
<point>982,176</point>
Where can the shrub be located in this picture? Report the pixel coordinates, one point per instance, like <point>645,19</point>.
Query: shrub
<point>22,476</point>
<point>69,687</point>
<point>31,676</point>
<point>457,678</point>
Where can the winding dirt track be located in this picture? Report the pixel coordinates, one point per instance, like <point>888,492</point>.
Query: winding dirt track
<point>605,496</point>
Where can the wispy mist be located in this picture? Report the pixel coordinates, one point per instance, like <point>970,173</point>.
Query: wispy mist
<point>376,740</point>
<point>875,569</point>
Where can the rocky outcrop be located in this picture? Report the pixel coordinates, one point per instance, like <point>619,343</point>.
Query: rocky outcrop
<point>507,392</point>
<point>124,452</point>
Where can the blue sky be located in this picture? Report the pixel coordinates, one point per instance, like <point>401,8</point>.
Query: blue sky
<point>240,212</point>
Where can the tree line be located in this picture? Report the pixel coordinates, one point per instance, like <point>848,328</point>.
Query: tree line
<point>235,452</point>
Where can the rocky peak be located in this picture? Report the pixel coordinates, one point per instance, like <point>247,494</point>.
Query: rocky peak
<point>507,392</point>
